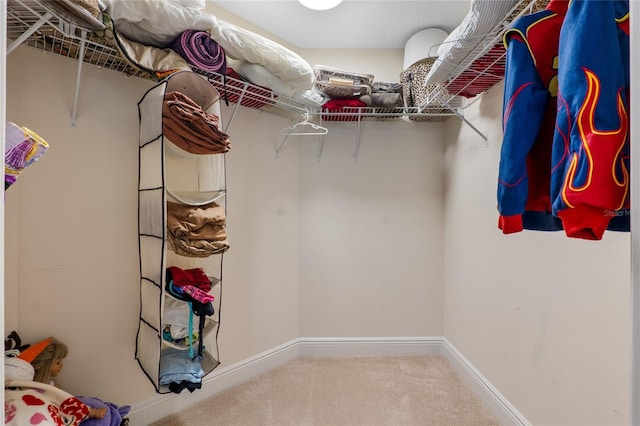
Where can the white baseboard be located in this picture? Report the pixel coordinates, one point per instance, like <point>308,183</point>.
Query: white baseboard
<point>494,400</point>
<point>368,346</point>
<point>222,378</point>
<point>226,377</point>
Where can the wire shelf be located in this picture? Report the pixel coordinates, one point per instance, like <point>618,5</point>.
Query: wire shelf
<point>484,65</point>
<point>44,25</point>
<point>234,90</point>
<point>49,30</point>
<point>348,114</point>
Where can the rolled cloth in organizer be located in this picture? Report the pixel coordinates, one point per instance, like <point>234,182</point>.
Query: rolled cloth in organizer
<point>196,231</point>
<point>191,128</point>
<point>201,51</point>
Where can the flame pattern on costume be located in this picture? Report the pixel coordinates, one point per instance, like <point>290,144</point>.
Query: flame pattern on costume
<point>606,177</point>
<point>591,153</point>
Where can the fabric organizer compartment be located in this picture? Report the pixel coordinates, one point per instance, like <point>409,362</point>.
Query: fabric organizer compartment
<point>175,180</point>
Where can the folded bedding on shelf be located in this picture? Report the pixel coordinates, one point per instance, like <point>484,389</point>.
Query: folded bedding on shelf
<point>341,91</point>
<point>191,128</point>
<point>152,60</point>
<point>332,75</point>
<point>159,63</point>
<point>201,51</point>
<point>336,83</point>
<point>382,100</point>
<point>158,23</point>
<point>342,109</point>
<point>245,45</point>
<point>260,76</point>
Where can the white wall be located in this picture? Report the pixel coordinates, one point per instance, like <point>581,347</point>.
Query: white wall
<point>384,64</point>
<point>73,234</point>
<point>371,231</point>
<point>544,317</point>
<point>76,227</point>
<point>11,249</point>
<point>72,251</point>
<point>318,248</point>
<point>260,273</point>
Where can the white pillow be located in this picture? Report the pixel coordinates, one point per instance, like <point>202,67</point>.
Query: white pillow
<point>194,4</point>
<point>259,75</point>
<point>482,19</point>
<point>239,43</point>
<point>156,22</point>
<point>453,37</point>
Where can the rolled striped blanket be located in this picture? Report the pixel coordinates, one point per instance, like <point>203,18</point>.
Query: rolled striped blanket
<point>201,51</point>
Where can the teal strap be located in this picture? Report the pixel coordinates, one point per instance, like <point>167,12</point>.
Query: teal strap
<point>190,331</point>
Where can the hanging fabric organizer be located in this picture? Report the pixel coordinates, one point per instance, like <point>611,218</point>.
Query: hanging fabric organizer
<point>180,259</point>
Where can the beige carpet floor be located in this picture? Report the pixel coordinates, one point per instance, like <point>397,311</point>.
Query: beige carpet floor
<point>354,391</point>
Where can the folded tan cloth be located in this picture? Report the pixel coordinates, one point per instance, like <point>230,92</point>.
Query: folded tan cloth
<point>197,231</point>
<point>191,128</point>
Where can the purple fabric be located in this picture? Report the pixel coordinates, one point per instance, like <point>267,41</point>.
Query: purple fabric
<point>201,51</point>
<point>16,157</point>
<point>114,416</point>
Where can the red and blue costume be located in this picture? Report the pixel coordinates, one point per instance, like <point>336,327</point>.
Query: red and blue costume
<point>590,158</point>
<point>529,115</point>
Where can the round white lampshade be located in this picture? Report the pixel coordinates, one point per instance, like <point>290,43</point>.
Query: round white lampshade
<point>320,4</point>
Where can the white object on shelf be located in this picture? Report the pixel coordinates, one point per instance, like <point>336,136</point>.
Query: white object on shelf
<point>422,45</point>
<point>323,73</point>
<point>481,30</point>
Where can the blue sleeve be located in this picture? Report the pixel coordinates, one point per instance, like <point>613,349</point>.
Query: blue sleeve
<point>525,102</point>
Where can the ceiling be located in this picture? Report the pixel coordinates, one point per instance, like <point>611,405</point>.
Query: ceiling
<point>354,24</point>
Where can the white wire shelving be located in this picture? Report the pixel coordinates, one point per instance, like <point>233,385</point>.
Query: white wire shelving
<point>43,25</point>
<point>483,67</point>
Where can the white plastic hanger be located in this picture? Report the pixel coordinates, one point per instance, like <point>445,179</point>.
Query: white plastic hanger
<point>305,128</point>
